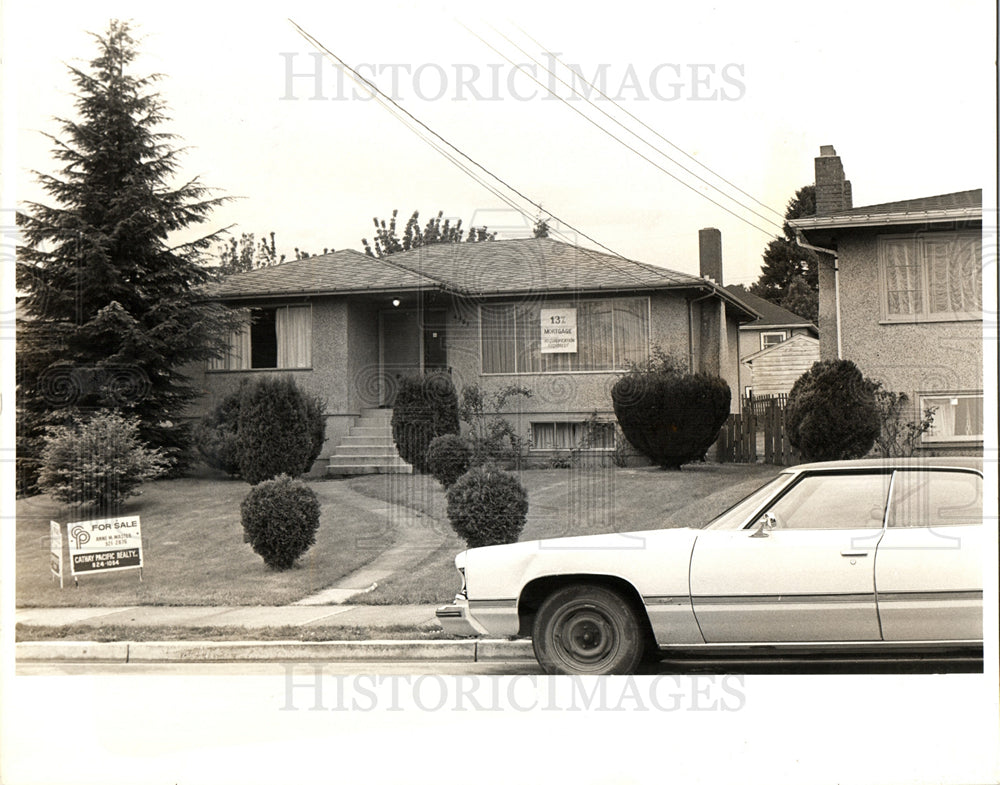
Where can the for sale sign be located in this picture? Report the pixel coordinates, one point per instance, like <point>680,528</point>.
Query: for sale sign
<point>106,544</point>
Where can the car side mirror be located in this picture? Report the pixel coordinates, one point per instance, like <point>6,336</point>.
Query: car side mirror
<point>764,524</point>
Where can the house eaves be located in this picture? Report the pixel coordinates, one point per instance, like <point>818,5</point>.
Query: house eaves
<point>888,219</point>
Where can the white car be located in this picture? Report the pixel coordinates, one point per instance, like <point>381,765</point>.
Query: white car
<point>840,557</point>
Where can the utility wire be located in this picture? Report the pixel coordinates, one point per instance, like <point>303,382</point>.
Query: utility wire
<point>387,100</point>
<point>626,144</point>
<point>644,125</point>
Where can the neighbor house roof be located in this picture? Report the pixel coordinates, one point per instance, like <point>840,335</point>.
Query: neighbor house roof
<point>771,315</point>
<point>962,205</point>
<point>495,268</point>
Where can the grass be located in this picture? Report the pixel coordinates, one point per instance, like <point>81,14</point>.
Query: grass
<point>568,502</point>
<point>193,550</point>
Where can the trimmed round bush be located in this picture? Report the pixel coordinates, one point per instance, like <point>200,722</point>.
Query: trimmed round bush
<point>448,458</point>
<point>832,413</point>
<point>214,436</point>
<point>98,461</point>
<point>274,433</point>
<point>671,417</point>
<point>487,506</point>
<point>425,407</point>
<point>280,518</point>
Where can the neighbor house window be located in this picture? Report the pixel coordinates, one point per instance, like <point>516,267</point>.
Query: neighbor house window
<point>767,340</point>
<point>278,337</point>
<point>931,277</point>
<point>572,436</point>
<point>604,335</point>
<point>957,418</point>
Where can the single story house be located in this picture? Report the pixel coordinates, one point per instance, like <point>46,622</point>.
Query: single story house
<point>773,373</point>
<point>561,320</point>
<point>901,295</point>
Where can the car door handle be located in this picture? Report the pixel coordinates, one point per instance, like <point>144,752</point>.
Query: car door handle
<point>854,553</point>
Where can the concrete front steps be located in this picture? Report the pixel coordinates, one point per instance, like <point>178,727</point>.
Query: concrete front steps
<point>368,448</point>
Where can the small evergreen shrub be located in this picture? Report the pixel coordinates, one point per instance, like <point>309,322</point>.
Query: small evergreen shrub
<point>425,407</point>
<point>274,434</point>
<point>280,518</point>
<point>448,458</point>
<point>99,461</point>
<point>493,438</point>
<point>832,413</point>
<point>214,436</point>
<point>487,506</point>
<point>670,416</point>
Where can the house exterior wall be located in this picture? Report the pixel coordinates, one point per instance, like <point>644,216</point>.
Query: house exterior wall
<point>750,344</point>
<point>775,373</point>
<point>914,358</point>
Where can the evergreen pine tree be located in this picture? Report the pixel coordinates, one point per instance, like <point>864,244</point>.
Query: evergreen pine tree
<point>112,310</point>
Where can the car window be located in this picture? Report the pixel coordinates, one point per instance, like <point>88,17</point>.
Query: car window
<point>745,507</point>
<point>936,498</point>
<point>833,501</point>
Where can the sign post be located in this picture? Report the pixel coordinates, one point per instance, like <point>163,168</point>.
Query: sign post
<point>56,551</point>
<point>104,545</point>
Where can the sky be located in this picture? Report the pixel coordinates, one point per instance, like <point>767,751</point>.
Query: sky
<point>748,91</point>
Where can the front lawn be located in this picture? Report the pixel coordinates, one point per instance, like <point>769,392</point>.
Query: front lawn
<point>193,550</point>
<point>565,502</point>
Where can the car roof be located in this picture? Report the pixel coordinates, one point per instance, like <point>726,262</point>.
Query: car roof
<point>922,462</point>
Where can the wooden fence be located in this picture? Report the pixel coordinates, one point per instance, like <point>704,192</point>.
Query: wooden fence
<point>738,440</point>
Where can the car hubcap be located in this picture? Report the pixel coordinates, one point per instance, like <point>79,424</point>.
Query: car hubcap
<point>586,636</point>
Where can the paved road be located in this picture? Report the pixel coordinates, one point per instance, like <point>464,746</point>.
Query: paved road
<point>388,667</point>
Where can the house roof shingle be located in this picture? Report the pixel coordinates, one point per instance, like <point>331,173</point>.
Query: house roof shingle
<point>771,315</point>
<point>500,267</point>
<point>929,209</point>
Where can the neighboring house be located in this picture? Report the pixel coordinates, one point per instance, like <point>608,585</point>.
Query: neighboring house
<point>774,370</point>
<point>902,298</point>
<point>777,371</point>
<point>560,320</point>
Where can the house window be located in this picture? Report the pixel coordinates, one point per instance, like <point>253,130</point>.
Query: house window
<point>767,340</point>
<point>572,436</point>
<point>278,337</point>
<point>609,335</point>
<point>931,277</point>
<point>957,418</point>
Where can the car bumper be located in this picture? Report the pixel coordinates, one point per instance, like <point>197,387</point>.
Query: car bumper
<point>455,619</point>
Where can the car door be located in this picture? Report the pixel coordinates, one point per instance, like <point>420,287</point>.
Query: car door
<point>928,566</point>
<point>809,578</point>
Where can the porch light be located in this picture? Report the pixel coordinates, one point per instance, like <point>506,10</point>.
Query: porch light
<point>395,303</point>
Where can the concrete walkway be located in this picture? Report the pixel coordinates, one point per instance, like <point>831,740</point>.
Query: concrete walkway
<point>418,536</point>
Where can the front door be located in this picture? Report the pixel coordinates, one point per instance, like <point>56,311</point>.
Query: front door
<point>411,342</point>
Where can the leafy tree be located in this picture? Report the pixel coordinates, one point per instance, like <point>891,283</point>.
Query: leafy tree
<point>107,297</point>
<point>239,256</point>
<point>790,274</point>
<point>540,229</point>
<point>437,230</point>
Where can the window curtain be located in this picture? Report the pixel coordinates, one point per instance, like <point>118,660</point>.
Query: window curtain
<point>595,335</point>
<point>955,274</point>
<point>902,278</point>
<point>294,329</point>
<point>631,332</point>
<point>498,339</point>
<point>237,356</point>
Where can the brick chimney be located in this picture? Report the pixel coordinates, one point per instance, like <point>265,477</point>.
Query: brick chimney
<point>833,192</point>
<point>710,254</point>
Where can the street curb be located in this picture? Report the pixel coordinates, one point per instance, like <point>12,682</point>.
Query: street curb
<point>263,651</point>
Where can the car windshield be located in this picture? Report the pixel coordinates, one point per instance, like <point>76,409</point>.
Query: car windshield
<point>736,515</point>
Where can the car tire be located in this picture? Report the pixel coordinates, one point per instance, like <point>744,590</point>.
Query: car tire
<point>585,629</point>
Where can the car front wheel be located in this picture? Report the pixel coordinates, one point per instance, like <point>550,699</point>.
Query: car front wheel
<point>583,629</point>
